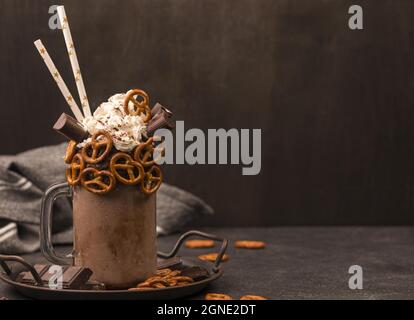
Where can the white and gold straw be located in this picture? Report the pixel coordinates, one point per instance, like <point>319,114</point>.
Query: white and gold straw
<point>61,84</point>
<point>74,60</point>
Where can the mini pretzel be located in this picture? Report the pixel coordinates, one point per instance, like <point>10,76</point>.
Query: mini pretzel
<point>144,153</point>
<point>251,297</point>
<point>152,180</point>
<point>74,171</point>
<point>140,107</point>
<point>217,296</point>
<point>163,272</point>
<point>182,279</point>
<point>153,282</point>
<point>212,257</point>
<point>98,149</point>
<point>245,244</point>
<point>126,170</point>
<point>163,279</point>
<point>173,274</point>
<point>199,244</point>
<point>98,182</point>
<point>70,151</point>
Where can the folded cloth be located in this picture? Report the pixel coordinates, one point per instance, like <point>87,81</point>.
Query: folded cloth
<point>24,179</point>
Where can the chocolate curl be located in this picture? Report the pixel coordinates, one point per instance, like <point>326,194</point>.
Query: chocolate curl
<point>161,120</point>
<point>70,128</point>
<point>158,108</point>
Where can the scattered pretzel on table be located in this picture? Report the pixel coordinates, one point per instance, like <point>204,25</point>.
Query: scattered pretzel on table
<point>247,244</point>
<point>217,296</point>
<point>98,182</point>
<point>74,170</point>
<point>140,107</point>
<point>126,170</point>
<point>152,180</point>
<point>212,257</point>
<point>199,244</point>
<point>251,297</point>
<point>98,148</point>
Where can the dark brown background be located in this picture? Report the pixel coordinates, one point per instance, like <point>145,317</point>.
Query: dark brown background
<point>335,105</point>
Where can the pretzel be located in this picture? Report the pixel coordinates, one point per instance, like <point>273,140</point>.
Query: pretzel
<point>140,107</point>
<point>251,297</point>
<point>98,149</point>
<point>217,296</point>
<point>245,244</point>
<point>126,170</point>
<point>212,257</point>
<point>98,182</point>
<point>199,244</point>
<point>163,279</point>
<point>144,153</point>
<point>173,274</point>
<point>181,279</point>
<point>70,151</point>
<point>74,171</point>
<point>163,272</point>
<point>152,180</point>
<point>152,282</point>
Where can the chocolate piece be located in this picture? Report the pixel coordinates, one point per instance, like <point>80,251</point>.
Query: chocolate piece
<point>157,108</point>
<point>27,277</point>
<point>75,277</point>
<point>72,277</point>
<point>169,263</point>
<point>197,273</point>
<point>70,128</point>
<point>161,120</point>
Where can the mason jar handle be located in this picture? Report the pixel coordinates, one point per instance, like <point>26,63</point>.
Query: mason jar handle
<point>51,195</point>
<point>192,233</point>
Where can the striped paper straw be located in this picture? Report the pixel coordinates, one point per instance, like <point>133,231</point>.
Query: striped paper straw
<point>61,84</point>
<point>74,61</point>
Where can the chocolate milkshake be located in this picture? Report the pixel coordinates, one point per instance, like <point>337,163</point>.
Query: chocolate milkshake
<point>115,235</point>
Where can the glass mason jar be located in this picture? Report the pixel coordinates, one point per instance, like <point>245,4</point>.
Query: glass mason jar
<point>114,234</point>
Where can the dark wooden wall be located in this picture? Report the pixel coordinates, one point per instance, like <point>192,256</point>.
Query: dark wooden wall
<point>335,106</point>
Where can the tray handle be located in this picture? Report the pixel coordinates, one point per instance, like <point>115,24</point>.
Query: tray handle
<point>28,266</point>
<point>178,245</point>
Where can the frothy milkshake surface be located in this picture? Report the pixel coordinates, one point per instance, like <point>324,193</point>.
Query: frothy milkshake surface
<point>126,131</point>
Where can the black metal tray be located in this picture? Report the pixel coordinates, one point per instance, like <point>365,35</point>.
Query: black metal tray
<point>43,293</point>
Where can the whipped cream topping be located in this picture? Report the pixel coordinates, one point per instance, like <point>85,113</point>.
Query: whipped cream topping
<point>126,131</point>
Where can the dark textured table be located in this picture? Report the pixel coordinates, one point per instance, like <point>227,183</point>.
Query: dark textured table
<point>309,263</point>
